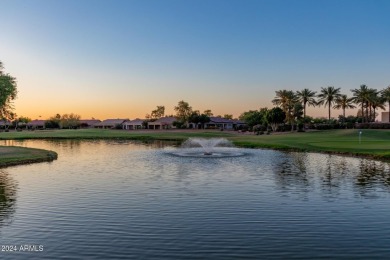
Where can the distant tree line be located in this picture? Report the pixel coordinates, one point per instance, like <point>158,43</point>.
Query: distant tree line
<point>67,121</point>
<point>368,99</point>
<point>293,105</point>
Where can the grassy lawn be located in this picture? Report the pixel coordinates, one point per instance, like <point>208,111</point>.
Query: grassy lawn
<point>374,143</point>
<point>11,155</point>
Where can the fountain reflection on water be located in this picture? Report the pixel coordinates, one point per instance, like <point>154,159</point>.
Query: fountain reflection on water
<point>208,148</point>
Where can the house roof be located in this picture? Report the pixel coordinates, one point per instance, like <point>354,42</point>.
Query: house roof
<point>136,121</point>
<point>221,120</point>
<point>236,121</point>
<point>164,121</point>
<point>36,122</point>
<point>111,122</point>
<point>89,121</point>
<point>4,123</point>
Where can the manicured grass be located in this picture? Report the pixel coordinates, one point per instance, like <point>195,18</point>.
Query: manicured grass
<point>374,143</point>
<point>11,155</point>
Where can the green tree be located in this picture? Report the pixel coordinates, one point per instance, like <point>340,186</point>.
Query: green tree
<point>297,111</point>
<point>198,118</point>
<point>179,124</point>
<point>386,95</point>
<point>183,111</point>
<point>194,117</point>
<point>70,121</point>
<point>208,112</point>
<point>204,119</point>
<point>361,96</point>
<point>286,100</point>
<point>8,92</point>
<point>275,117</point>
<point>343,102</point>
<point>376,101</point>
<point>328,97</point>
<point>306,97</point>
<point>53,122</point>
<point>21,121</point>
<point>24,119</point>
<point>228,116</point>
<point>157,113</point>
<point>254,117</point>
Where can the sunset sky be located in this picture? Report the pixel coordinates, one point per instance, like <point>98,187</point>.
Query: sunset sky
<point>120,59</point>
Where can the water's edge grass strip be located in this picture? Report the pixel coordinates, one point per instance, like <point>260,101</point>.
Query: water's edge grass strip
<point>374,145</point>
<point>12,156</point>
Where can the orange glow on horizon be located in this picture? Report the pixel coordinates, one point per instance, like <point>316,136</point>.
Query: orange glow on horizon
<point>109,110</point>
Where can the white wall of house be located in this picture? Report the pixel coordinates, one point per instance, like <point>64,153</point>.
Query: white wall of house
<point>385,117</point>
<point>131,127</point>
<point>220,125</point>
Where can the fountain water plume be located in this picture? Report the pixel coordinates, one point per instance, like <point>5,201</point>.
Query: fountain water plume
<point>208,148</point>
<point>207,144</point>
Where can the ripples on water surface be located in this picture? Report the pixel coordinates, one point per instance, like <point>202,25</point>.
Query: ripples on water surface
<point>111,199</point>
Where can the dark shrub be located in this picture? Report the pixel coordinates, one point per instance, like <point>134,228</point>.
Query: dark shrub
<point>372,125</point>
<point>52,124</point>
<point>301,127</point>
<point>118,126</point>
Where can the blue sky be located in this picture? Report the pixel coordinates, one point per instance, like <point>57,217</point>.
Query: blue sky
<point>123,58</point>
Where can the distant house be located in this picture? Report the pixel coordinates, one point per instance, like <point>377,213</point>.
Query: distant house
<point>88,123</point>
<point>223,123</point>
<point>4,124</point>
<point>133,124</point>
<point>162,123</point>
<point>36,124</point>
<point>110,123</point>
<point>238,124</point>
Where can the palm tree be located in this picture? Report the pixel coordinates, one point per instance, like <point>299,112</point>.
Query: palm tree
<point>306,96</point>
<point>376,101</point>
<point>367,97</point>
<point>386,95</point>
<point>285,99</point>
<point>344,102</point>
<point>328,96</point>
<point>361,96</point>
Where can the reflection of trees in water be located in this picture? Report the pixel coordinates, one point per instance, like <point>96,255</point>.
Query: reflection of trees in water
<point>291,172</point>
<point>373,172</point>
<point>144,143</point>
<point>161,143</point>
<point>74,144</point>
<point>334,173</point>
<point>372,175</point>
<point>8,189</point>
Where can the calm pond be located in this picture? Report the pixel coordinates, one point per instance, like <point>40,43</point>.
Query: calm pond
<point>128,200</point>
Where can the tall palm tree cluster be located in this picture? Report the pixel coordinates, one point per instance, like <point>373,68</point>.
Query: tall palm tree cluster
<point>368,99</point>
